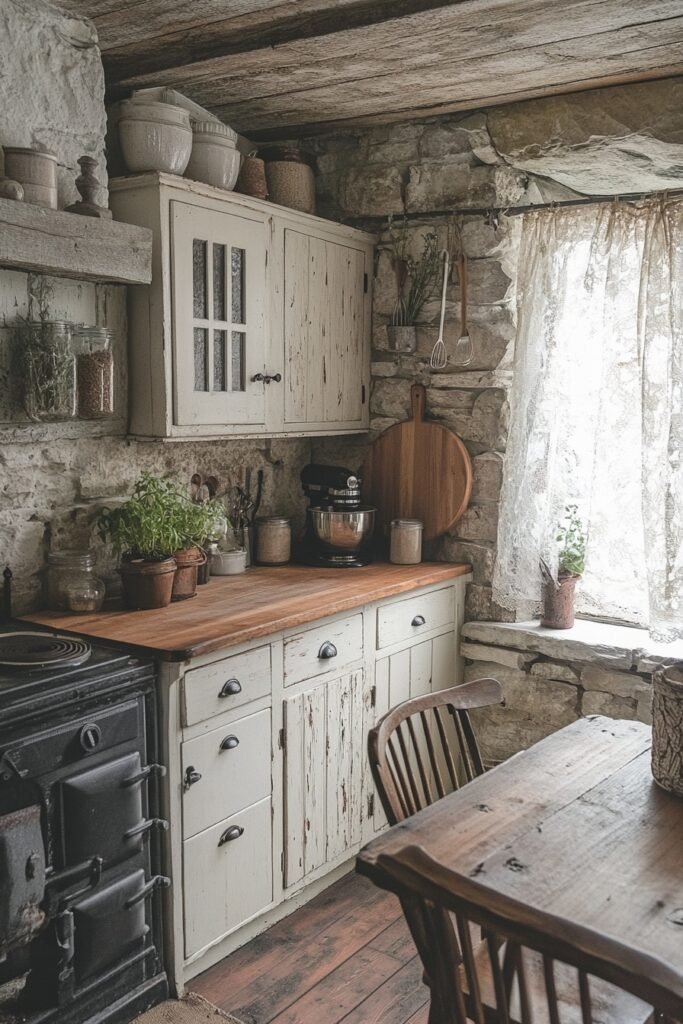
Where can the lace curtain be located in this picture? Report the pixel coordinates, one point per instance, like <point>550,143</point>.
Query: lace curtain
<point>597,411</point>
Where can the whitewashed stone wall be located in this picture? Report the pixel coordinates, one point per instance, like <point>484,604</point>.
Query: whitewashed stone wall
<point>54,478</point>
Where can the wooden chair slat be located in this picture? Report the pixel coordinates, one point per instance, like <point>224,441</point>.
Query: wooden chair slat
<point>429,742</point>
<point>407,767</point>
<point>405,806</point>
<point>550,989</point>
<point>499,986</point>
<point>452,770</point>
<point>417,754</point>
<point>585,996</point>
<point>475,1008</point>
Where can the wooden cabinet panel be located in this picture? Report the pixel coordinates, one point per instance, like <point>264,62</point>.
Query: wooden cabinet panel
<point>325,332</point>
<point>407,619</point>
<point>234,764</point>
<point>324,754</point>
<point>310,653</point>
<point>226,684</point>
<point>219,283</point>
<point>227,880</point>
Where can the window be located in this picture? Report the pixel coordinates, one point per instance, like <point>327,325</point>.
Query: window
<point>597,411</point>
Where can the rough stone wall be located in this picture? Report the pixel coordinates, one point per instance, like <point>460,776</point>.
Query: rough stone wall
<point>549,683</point>
<point>421,169</point>
<point>52,88</point>
<point>54,477</point>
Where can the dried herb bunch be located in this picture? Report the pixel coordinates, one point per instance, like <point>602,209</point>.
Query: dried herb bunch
<point>415,278</point>
<point>571,560</point>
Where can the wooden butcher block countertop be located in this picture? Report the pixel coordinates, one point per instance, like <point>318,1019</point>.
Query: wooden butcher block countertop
<point>232,610</point>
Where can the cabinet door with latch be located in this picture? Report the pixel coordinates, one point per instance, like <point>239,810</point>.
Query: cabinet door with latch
<point>327,357</point>
<point>423,668</point>
<point>219,283</point>
<point>323,764</point>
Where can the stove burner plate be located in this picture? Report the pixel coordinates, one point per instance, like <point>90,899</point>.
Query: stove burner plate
<point>27,649</point>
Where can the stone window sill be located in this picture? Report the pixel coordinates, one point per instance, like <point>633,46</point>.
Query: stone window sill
<point>625,648</point>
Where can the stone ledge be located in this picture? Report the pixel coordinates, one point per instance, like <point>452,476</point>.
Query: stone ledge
<point>620,647</point>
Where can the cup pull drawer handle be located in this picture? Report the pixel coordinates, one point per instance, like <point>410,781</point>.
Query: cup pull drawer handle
<point>234,832</point>
<point>328,650</point>
<point>229,743</point>
<point>230,688</point>
<point>419,620</point>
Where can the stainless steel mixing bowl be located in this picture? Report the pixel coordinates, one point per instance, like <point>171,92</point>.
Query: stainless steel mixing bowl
<point>342,532</point>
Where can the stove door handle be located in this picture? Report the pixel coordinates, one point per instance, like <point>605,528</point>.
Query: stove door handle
<point>146,826</point>
<point>143,774</point>
<point>158,882</point>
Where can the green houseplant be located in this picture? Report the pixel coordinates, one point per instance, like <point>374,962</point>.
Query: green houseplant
<point>415,283</point>
<point>143,532</point>
<point>559,590</point>
<point>195,524</point>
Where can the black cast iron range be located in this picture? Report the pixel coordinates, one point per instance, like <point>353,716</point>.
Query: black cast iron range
<point>80,925</point>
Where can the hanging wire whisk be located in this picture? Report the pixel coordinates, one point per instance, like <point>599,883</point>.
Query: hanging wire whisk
<point>439,359</point>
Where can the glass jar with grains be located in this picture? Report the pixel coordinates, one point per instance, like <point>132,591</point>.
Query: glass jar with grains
<point>72,585</point>
<point>95,371</point>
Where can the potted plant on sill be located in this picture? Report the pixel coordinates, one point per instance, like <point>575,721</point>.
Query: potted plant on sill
<point>559,590</point>
<point>415,283</point>
<point>143,532</point>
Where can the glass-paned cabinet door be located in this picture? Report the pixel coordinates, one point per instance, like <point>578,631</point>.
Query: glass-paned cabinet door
<point>219,293</point>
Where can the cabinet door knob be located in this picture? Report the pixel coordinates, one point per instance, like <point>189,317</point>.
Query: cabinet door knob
<point>258,377</point>
<point>230,688</point>
<point>191,776</point>
<point>419,620</point>
<point>328,650</point>
<point>277,377</point>
<point>233,832</point>
<point>229,743</point>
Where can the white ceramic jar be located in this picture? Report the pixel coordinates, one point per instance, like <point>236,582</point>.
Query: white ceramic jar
<point>215,158</point>
<point>155,136</point>
<point>36,172</point>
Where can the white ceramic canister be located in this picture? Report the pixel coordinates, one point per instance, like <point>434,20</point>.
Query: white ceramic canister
<point>215,158</point>
<point>36,171</point>
<point>228,563</point>
<point>155,136</point>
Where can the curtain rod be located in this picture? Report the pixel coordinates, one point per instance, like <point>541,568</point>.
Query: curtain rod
<point>515,211</point>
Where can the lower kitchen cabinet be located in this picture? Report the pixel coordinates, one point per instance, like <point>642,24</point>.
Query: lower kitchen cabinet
<point>269,791</point>
<point>323,762</point>
<point>227,875</point>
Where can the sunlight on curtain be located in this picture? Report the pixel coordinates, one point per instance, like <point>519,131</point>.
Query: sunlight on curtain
<point>597,411</point>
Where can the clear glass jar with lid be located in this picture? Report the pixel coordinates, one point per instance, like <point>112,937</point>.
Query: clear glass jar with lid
<point>48,368</point>
<point>72,585</point>
<point>273,540</point>
<point>95,371</point>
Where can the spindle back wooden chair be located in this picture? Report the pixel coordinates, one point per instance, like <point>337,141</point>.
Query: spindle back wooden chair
<point>533,967</point>
<point>425,748</point>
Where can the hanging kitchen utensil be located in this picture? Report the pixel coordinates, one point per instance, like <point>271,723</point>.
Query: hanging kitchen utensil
<point>439,359</point>
<point>463,346</point>
<point>418,470</point>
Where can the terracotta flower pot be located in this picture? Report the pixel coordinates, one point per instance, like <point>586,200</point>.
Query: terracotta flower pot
<point>558,603</point>
<point>185,582</point>
<point>147,584</point>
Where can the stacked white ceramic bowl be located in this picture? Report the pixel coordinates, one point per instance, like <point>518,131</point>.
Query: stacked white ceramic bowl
<point>155,136</point>
<point>215,158</point>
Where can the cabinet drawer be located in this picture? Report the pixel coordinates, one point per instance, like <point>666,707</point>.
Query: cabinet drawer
<point>226,684</point>
<point>227,880</point>
<point>414,615</point>
<point>233,763</point>
<point>323,649</point>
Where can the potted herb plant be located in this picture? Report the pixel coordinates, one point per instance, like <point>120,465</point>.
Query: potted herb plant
<point>415,283</point>
<point>559,590</point>
<point>143,531</point>
<point>195,524</point>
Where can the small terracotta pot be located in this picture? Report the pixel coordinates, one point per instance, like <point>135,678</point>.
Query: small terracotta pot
<point>558,603</point>
<point>402,339</point>
<point>147,584</point>
<point>203,569</point>
<point>185,582</point>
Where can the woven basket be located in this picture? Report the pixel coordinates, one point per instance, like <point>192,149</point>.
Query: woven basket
<point>291,183</point>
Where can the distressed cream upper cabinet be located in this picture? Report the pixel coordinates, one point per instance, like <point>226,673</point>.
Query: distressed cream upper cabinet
<point>257,321</point>
<point>326,288</point>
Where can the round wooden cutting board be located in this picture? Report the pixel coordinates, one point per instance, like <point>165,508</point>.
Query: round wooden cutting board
<point>418,470</point>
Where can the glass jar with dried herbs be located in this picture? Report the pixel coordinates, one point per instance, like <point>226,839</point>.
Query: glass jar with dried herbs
<point>48,369</point>
<point>95,372</point>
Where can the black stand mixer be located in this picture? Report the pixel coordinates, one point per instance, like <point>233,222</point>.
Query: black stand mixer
<point>338,528</point>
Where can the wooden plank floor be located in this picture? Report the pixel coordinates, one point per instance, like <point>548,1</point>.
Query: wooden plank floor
<point>346,956</point>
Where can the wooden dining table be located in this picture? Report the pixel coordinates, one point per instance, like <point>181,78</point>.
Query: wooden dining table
<point>574,826</point>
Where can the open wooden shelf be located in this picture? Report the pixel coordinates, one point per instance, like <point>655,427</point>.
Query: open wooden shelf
<point>38,240</point>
